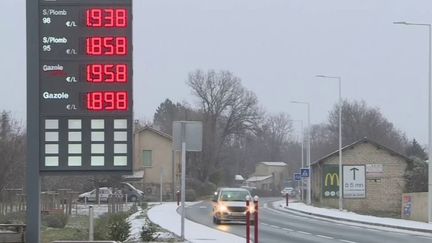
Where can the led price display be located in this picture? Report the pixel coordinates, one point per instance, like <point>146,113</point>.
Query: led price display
<point>106,46</point>
<point>85,85</point>
<point>107,101</point>
<point>106,18</point>
<point>107,73</point>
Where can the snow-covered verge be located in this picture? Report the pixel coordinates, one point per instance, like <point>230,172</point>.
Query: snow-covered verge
<point>139,220</point>
<point>167,217</point>
<point>354,217</point>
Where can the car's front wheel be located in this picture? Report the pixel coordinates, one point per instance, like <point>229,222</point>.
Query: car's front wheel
<point>132,199</point>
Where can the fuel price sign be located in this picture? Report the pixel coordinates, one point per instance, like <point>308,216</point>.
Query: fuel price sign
<point>85,85</point>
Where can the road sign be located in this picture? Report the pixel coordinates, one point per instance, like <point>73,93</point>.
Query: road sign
<point>354,181</point>
<point>297,176</point>
<point>304,172</point>
<point>85,85</point>
<point>331,180</point>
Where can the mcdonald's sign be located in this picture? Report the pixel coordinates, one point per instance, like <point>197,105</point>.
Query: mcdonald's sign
<point>331,180</point>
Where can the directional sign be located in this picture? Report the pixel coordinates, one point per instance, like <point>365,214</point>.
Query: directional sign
<point>304,172</point>
<point>354,181</point>
<point>297,176</point>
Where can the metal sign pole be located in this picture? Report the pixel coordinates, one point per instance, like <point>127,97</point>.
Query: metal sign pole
<point>32,176</point>
<point>183,179</point>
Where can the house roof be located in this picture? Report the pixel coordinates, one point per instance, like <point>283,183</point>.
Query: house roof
<point>274,163</point>
<point>363,140</point>
<point>149,128</point>
<point>258,178</point>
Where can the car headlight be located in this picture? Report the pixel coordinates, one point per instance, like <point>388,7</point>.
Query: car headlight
<point>222,208</point>
<point>251,209</point>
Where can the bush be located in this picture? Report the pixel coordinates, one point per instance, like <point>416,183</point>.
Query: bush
<point>190,195</point>
<point>144,205</point>
<point>13,218</point>
<point>112,227</point>
<point>56,220</point>
<point>119,229</point>
<point>147,233</point>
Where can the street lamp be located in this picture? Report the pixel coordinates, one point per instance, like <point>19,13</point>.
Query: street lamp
<point>302,153</point>
<point>340,135</point>
<point>308,149</point>
<point>429,118</point>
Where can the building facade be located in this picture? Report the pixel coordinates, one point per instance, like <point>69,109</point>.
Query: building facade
<point>373,179</point>
<point>153,157</point>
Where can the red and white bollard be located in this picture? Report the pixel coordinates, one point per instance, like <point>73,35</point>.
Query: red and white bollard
<point>256,219</point>
<point>247,219</point>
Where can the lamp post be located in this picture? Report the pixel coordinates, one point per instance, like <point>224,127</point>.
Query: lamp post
<point>302,154</point>
<point>429,27</point>
<point>308,149</point>
<point>340,136</point>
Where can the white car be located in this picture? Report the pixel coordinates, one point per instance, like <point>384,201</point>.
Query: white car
<point>104,193</point>
<point>289,190</point>
<point>230,205</point>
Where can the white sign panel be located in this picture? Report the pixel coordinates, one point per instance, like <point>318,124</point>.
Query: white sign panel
<point>354,181</point>
<point>374,170</point>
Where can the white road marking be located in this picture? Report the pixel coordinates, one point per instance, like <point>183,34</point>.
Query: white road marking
<point>326,237</point>
<point>203,207</point>
<point>348,241</point>
<point>302,232</point>
<point>274,226</point>
<point>286,229</point>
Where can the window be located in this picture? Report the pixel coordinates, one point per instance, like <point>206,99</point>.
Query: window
<point>147,158</point>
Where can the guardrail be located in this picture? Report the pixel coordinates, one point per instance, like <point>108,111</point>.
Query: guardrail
<point>95,241</point>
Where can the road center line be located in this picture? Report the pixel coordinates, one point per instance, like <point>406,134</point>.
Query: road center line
<point>348,241</point>
<point>302,232</point>
<point>274,226</point>
<point>286,229</point>
<point>326,237</point>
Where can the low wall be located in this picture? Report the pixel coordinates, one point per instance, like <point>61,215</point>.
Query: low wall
<point>414,206</point>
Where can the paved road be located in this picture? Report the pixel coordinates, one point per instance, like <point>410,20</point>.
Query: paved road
<point>279,226</point>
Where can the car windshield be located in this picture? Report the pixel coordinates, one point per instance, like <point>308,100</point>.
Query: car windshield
<point>234,195</point>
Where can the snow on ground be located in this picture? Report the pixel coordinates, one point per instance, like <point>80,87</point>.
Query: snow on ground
<point>167,217</point>
<point>335,213</point>
<point>137,221</point>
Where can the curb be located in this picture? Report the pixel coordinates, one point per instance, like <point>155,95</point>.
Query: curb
<point>359,222</point>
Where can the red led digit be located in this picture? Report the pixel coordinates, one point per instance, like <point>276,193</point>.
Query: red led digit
<point>109,99</point>
<point>94,46</point>
<point>109,17</point>
<point>109,73</point>
<point>121,100</point>
<point>121,18</point>
<point>121,46</point>
<point>121,73</point>
<point>95,101</point>
<point>94,17</point>
<point>108,45</point>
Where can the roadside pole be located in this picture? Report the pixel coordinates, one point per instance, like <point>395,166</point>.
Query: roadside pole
<point>247,219</point>
<point>91,228</point>
<point>32,176</point>
<point>256,219</point>
<point>183,179</point>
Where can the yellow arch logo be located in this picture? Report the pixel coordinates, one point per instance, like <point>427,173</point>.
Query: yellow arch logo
<point>332,179</point>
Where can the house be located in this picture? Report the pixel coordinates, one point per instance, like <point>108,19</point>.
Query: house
<point>372,178</point>
<point>153,157</point>
<point>269,176</point>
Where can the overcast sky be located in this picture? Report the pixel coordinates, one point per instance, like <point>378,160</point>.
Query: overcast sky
<point>275,46</point>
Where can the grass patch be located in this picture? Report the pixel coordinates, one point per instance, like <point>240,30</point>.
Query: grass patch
<point>76,229</point>
<point>51,234</point>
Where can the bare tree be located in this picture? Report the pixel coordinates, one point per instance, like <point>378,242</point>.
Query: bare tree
<point>228,109</point>
<point>360,120</point>
<point>12,153</point>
